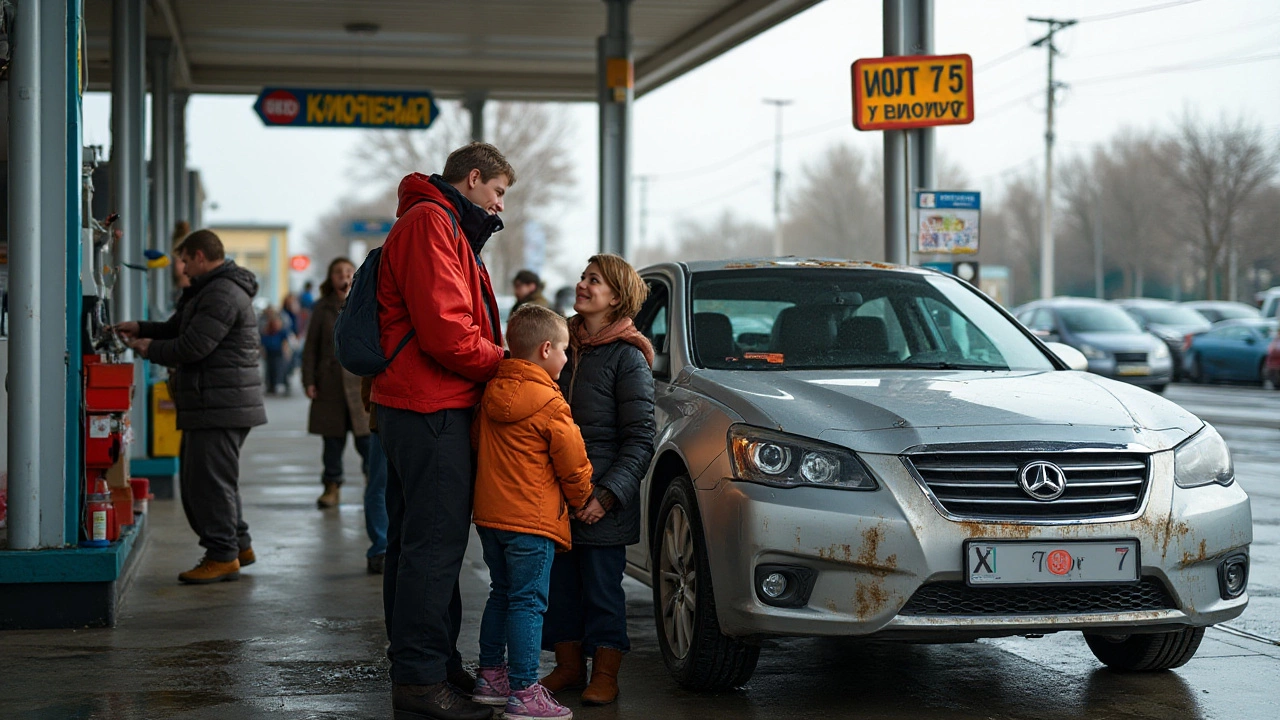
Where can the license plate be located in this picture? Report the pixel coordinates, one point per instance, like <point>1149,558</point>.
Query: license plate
<point>1047,563</point>
<point>1133,370</point>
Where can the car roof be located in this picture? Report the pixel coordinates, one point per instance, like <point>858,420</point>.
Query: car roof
<point>1143,302</point>
<point>1065,301</point>
<point>793,262</point>
<point>1215,303</point>
<point>1247,322</point>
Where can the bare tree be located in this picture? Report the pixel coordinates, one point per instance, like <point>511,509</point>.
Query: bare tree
<point>332,237</point>
<point>725,237</point>
<point>837,209</point>
<point>1011,234</point>
<point>1216,168</point>
<point>535,137</point>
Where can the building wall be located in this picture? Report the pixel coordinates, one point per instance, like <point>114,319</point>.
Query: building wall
<point>264,250</point>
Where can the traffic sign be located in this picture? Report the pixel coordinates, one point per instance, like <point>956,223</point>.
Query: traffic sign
<point>388,110</point>
<point>300,262</point>
<point>897,93</point>
<point>369,227</point>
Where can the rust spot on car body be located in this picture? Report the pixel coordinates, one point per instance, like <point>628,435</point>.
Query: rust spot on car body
<point>869,598</point>
<point>974,529</point>
<point>1189,558</point>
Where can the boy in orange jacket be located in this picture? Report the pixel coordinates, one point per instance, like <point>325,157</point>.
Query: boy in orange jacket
<point>531,468</point>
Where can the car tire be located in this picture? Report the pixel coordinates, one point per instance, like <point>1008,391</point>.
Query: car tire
<point>1196,373</point>
<point>1146,652</point>
<point>697,655</point>
<point>1158,389</point>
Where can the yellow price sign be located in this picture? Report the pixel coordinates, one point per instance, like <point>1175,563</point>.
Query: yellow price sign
<point>897,93</point>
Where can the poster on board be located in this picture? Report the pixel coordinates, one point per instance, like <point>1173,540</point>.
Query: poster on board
<point>947,222</point>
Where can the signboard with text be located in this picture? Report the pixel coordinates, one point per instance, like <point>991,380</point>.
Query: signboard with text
<point>389,110</point>
<point>898,93</point>
<point>947,221</point>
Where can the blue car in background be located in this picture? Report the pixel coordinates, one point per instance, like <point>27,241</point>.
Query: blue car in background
<point>1233,350</point>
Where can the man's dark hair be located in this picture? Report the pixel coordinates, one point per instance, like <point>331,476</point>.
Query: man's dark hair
<point>477,156</point>
<point>204,241</point>
<point>532,325</point>
<point>527,277</point>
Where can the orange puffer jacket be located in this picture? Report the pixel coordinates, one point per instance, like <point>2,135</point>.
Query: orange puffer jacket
<point>531,460</point>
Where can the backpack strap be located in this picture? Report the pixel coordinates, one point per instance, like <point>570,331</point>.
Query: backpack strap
<point>413,331</point>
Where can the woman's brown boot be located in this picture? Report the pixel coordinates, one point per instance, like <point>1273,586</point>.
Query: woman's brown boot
<point>604,677</point>
<point>571,669</point>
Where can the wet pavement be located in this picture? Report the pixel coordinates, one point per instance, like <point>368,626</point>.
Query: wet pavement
<point>301,636</point>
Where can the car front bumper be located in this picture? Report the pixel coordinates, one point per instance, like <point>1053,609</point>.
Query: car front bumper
<point>872,551</point>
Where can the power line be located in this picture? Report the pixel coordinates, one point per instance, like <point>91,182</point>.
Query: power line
<point>1136,11</point>
<point>1204,65</point>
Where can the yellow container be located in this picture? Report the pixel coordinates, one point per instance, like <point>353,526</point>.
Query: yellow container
<point>166,438</point>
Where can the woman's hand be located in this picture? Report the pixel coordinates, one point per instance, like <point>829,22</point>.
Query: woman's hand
<point>591,512</point>
<point>312,392</point>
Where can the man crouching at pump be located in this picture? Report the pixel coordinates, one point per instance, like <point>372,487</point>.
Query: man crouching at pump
<point>212,342</point>
<point>432,283</point>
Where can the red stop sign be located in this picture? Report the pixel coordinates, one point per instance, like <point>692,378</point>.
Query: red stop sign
<point>281,107</point>
<point>300,262</point>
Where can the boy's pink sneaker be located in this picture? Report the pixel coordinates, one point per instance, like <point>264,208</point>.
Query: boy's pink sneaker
<point>535,703</point>
<point>492,686</point>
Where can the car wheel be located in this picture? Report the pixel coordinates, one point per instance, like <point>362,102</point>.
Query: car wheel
<point>696,653</point>
<point>1146,652</point>
<point>1196,373</point>
<point>1158,389</point>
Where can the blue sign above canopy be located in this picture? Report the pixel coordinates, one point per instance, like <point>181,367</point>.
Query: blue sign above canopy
<point>389,110</point>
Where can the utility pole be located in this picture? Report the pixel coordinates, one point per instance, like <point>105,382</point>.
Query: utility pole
<point>644,209</point>
<point>1046,219</point>
<point>777,176</point>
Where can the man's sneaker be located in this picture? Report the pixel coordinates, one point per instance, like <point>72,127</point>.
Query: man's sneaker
<point>492,686</point>
<point>535,703</point>
<point>247,557</point>
<point>435,702</point>
<point>211,571</point>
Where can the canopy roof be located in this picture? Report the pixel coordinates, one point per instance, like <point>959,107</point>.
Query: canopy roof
<point>511,49</point>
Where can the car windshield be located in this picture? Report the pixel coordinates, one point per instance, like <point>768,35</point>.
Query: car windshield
<point>1234,312</point>
<point>809,318</point>
<point>1097,318</point>
<point>1171,315</point>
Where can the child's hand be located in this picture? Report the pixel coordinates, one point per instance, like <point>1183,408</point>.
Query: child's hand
<point>591,512</point>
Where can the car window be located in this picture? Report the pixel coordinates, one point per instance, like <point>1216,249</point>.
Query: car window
<point>1171,315</point>
<point>797,318</point>
<point>1041,319</point>
<point>652,320</point>
<point>1097,318</point>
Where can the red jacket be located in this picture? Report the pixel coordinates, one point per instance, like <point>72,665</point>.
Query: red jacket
<point>429,280</point>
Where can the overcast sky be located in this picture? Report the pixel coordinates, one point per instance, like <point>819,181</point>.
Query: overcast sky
<point>706,138</point>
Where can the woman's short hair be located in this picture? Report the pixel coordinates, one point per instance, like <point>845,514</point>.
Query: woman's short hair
<point>624,281</point>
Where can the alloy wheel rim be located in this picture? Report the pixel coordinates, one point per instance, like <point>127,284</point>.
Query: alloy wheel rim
<point>678,587</point>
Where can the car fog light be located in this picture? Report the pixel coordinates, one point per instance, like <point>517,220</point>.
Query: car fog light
<point>774,585</point>
<point>771,458</point>
<point>1233,576</point>
<point>819,468</point>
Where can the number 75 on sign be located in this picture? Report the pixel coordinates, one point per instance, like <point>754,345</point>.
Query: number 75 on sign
<point>897,93</point>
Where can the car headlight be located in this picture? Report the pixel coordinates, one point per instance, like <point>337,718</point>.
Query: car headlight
<point>1091,352</point>
<point>774,458</point>
<point>1202,460</point>
<point>1161,352</point>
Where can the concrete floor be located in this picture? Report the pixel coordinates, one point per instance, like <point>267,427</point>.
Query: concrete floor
<point>301,635</point>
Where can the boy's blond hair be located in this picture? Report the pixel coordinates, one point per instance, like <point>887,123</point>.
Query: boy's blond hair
<point>530,326</point>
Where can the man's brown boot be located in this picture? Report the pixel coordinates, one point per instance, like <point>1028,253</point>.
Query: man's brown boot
<point>211,571</point>
<point>604,677</point>
<point>571,669</point>
<point>329,498</point>
<point>247,557</point>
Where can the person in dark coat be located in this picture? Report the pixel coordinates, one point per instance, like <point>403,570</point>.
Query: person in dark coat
<point>527,287</point>
<point>336,406</point>
<point>609,385</point>
<point>212,344</point>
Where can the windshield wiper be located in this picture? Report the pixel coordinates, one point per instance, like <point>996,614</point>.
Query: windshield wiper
<point>943,365</point>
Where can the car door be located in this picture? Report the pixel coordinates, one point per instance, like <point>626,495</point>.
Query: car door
<point>1234,353</point>
<point>654,322</point>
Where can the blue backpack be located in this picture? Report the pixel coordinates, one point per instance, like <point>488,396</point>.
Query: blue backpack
<point>357,336</point>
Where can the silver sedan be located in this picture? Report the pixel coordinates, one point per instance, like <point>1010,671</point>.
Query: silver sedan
<point>857,449</point>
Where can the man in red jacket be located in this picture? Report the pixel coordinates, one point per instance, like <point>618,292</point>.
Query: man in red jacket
<point>433,281</point>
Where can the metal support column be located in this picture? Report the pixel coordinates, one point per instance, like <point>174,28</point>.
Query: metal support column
<point>73,305</point>
<point>895,151</point>
<point>128,180</point>
<point>615,81</point>
<point>920,42</point>
<point>24,278</point>
<point>159,61</point>
<point>474,102</point>
<point>181,196</point>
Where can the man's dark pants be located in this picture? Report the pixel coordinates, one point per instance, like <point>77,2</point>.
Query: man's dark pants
<point>210,480</point>
<point>429,487</point>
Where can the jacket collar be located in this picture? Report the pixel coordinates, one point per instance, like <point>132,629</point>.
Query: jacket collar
<point>476,224</point>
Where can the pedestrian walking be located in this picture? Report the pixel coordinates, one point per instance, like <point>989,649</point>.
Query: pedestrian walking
<point>530,464</point>
<point>337,409</point>
<point>609,386</point>
<point>308,297</point>
<point>375,488</point>
<point>276,335</point>
<point>527,288</point>
<point>212,344</point>
<point>432,282</point>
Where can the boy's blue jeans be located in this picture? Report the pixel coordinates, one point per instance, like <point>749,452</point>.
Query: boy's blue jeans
<point>519,580</point>
<point>375,497</point>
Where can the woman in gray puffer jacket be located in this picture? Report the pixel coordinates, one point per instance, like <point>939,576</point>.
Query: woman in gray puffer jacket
<point>609,386</point>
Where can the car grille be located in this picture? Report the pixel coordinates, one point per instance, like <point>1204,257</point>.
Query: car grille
<point>1131,357</point>
<point>956,598</point>
<point>985,485</point>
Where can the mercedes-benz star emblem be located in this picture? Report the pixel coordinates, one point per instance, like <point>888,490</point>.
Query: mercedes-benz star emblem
<point>1042,480</point>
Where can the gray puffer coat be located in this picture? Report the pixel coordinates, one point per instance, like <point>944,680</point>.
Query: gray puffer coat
<point>612,403</point>
<point>212,341</point>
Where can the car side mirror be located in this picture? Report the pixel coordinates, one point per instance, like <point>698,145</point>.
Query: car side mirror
<point>662,366</point>
<point>1251,340</point>
<point>1073,358</point>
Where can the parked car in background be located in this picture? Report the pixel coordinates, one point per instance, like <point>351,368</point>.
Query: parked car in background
<point>1169,321</point>
<point>864,450</point>
<point>1234,350</point>
<point>1113,342</point>
<point>1271,370</point>
<point>1219,310</point>
<point>1269,302</point>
